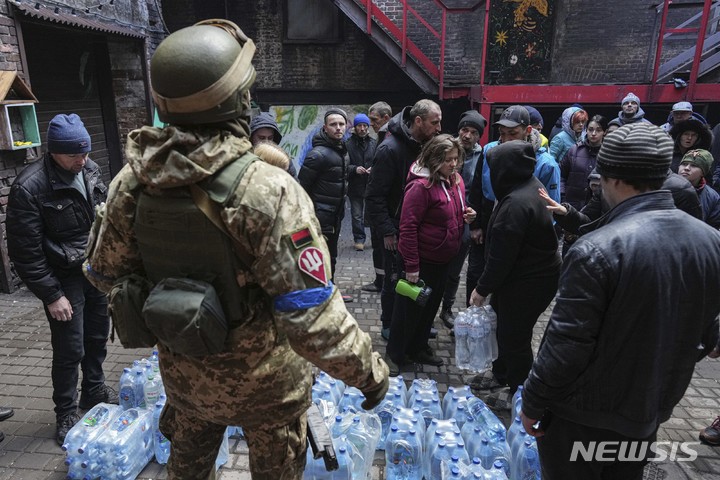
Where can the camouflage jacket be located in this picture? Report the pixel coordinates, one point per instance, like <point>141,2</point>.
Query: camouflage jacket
<point>263,375</point>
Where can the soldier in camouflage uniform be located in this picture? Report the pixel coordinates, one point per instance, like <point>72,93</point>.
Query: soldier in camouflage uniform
<point>262,378</point>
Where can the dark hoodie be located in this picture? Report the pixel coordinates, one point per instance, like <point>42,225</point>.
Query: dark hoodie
<point>520,241</point>
<point>385,189</point>
<point>324,177</point>
<point>704,140</point>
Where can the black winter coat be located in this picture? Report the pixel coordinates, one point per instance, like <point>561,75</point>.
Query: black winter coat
<point>48,223</point>
<point>622,340</point>
<point>574,170</point>
<point>323,175</point>
<point>683,193</point>
<point>386,186</point>
<point>361,152</point>
<point>520,242</point>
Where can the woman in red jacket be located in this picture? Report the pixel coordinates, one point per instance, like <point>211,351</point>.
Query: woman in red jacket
<point>431,227</point>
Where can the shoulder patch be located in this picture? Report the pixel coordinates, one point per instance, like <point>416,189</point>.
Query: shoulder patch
<point>311,263</point>
<point>301,238</point>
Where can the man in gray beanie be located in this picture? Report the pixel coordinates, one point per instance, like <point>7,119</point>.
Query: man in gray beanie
<point>50,211</point>
<point>630,111</point>
<point>622,341</point>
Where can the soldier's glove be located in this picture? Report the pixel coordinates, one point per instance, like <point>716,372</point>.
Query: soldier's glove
<point>375,396</point>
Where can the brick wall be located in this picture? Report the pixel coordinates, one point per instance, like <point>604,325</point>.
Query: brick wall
<point>129,89</point>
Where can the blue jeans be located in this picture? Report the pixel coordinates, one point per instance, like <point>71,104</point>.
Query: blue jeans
<point>81,341</point>
<point>358,226</point>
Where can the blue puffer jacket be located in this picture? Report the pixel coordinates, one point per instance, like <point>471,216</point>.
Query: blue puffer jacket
<point>563,141</point>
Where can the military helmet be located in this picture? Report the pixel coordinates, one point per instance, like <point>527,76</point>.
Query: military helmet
<point>200,74</point>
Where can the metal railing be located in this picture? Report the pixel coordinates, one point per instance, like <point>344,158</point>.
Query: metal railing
<point>407,46</point>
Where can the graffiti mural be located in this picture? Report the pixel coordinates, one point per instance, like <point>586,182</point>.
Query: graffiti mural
<point>520,41</point>
<point>299,123</point>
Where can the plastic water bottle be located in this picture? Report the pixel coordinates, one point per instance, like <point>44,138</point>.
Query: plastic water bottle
<point>492,321</point>
<point>517,400</point>
<point>527,465</point>
<point>454,397</point>
<point>223,452</point>
<point>462,352</point>
<point>345,465</point>
<point>155,362</point>
<point>84,433</point>
<point>425,387</point>
<point>351,400</point>
<point>385,411</point>
<point>499,471</point>
<point>397,384</point>
<point>515,427</point>
<point>161,445</point>
<point>139,387</point>
<point>429,408</point>
<point>153,388</point>
<point>403,455</point>
<point>126,392</point>
<point>484,417</point>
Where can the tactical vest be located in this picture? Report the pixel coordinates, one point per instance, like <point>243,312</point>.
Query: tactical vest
<point>176,239</point>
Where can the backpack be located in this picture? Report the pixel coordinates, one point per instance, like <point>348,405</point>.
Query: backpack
<point>188,306</point>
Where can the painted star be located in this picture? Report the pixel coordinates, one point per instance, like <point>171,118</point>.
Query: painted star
<point>530,50</point>
<point>501,38</point>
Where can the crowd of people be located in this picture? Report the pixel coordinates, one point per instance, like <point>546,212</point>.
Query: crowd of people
<point>620,194</point>
<point>435,202</point>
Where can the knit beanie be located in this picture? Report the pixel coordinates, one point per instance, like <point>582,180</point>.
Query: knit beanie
<point>638,151</point>
<point>700,158</point>
<point>535,117</point>
<point>361,118</point>
<point>473,119</point>
<point>630,97</point>
<point>336,111</point>
<point>67,135</point>
<point>265,120</point>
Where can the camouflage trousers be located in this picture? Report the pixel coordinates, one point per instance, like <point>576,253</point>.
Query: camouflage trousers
<point>276,453</point>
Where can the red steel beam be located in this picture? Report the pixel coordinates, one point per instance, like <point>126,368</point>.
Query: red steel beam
<point>568,94</point>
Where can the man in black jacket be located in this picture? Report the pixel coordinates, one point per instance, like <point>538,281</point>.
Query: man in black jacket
<point>324,175</point>
<point>50,211</point>
<point>361,150</point>
<point>627,327</point>
<point>407,132</point>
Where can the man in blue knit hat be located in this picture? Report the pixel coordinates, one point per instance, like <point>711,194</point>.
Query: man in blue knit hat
<point>50,211</point>
<point>361,151</point>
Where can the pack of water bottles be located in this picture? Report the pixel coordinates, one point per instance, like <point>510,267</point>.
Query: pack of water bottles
<point>116,442</point>
<point>355,432</point>
<point>109,443</point>
<point>475,338</point>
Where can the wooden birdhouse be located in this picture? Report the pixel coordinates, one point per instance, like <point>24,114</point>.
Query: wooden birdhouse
<point>18,121</point>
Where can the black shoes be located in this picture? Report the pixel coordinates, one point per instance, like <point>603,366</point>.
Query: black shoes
<point>447,317</point>
<point>6,413</point>
<point>427,357</point>
<point>433,332</point>
<point>64,424</point>
<point>370,287</point>
<point>486,381</point>
<point>385,333</point>
<point>102,394</point>
<point>711,435</point>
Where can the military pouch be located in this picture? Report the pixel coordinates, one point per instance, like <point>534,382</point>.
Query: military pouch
<point>186,316</point>
<point>127,298</point>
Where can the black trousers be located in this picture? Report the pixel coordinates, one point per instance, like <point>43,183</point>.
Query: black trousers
<point>518,304</point>
<point>378,253</point>
<point>556,452</point>
<point>476,265</point>
<point>411,323</point>
<point>387,296</point>
<point>453,275</point>
<point>81,341</point>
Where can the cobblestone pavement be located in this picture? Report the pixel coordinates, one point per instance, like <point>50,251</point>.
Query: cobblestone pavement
<point>29,451</point>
